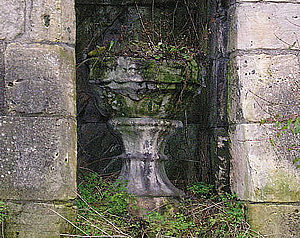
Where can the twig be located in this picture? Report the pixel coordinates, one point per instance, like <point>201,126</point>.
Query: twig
<point>68,221</point>
<point>214,205</point>
<point>269,102</point>
<point>95,226</point>
<point>2,229</point>
<point>188,10</point>
<point>141,20</point>
<point>109,222</point>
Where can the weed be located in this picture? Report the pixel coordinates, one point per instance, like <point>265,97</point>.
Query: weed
<point>105,209</point>
<point>3,216</point>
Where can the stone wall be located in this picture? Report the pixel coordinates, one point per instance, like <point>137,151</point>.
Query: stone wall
<point>37,116</point>
<point>263,82</point>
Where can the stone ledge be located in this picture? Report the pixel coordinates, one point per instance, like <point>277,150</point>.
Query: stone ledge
<point>264,26</point>
<point>275,221</point>
<point>262,168</point>
<point>37,158</point>
<point>40,79</point>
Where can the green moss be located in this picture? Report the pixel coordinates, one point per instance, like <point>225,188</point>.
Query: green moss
<point>281,187</point>
<point>163,72</point>
<point>229,87</point>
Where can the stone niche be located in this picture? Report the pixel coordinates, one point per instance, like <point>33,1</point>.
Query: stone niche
<point>118,37</point>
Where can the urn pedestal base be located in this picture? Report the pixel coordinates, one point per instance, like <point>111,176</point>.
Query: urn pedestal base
<point>143,166</point>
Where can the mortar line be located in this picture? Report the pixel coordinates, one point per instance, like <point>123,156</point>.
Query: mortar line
<point>266,51</point>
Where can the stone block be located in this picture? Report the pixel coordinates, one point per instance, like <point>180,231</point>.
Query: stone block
<point>38,220</point>
<point>37,158</point>
<point>50,20</point>
<point>262,168</point>
<point>275,220</point>
<point>262,86</point>
<point>264,26</point>
<point>40,79</point>
<point>12,19</point>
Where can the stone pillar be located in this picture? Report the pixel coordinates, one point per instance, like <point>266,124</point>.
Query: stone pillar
<point>37,116</point>
<point>217,97</point>
<point>263,81</point>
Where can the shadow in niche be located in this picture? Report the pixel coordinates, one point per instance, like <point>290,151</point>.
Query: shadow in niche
<point>149,31</point>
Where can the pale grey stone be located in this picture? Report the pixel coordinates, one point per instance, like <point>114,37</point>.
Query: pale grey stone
<point>143,166</point>
<point>262,168</point>
<point>51,20</point>
<point>2,83</point>
<point>12,19</point>
<point>40,79</point>
<point>264,26</point>
<point>262,86</point>
<point>37,158</point>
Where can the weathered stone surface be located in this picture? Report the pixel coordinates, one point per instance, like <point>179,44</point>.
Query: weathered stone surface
<point>274,220</point>
<point>143,166</point>
<point>96,141</point>
<point>279,1</point>
<point>135,87</point>
<point>39,220</point>
<point>12,19</point>
<point>40,79</point>
<point>220,158</point>
<point>217,95</point>
<point>262,166</point>
<point>37,158</point>
<point>187,153</point>
<point>262,86</point>
<point>264,26</point>
<point>123,2</point>
<point>50,20</point>
<point>2,83</point>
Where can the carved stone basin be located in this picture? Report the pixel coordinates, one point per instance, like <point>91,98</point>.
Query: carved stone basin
<point>134,87</point>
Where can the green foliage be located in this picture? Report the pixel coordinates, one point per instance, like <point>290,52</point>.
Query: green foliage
<point>201,189</point>
<point>3,211</point>
<point>286,126</point>
<point>106,209</point>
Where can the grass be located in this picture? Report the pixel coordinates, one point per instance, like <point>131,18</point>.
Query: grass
<point>105,209</point>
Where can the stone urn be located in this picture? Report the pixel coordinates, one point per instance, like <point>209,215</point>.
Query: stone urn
<point>145,99</point>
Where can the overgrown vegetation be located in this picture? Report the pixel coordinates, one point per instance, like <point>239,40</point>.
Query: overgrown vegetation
<point>105,209</point>
<point>178,33</point>
<point>3,215</point>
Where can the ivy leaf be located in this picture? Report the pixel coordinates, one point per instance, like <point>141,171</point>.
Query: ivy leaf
<point>289,122</point>
<point>296,160</point>
<point>272,142</point>
<point>297,125</point>
<point>278,123</point>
